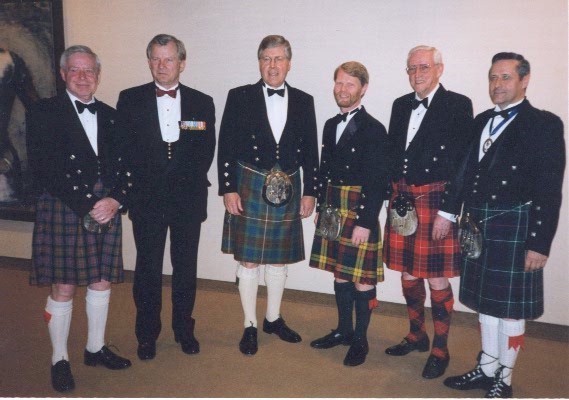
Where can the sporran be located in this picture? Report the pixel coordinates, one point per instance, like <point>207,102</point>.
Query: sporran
<point>90,225</point>
<point>277,190</point>
<point>403,216</point>
<point>470,237</point>
<point>329,223</point>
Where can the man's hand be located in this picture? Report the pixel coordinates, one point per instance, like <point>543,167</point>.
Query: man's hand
<point>306,206</point>
<point>360,235</point>
<point>441,227</point>
<point>534,261</point>
<point>104,210</point>
<point>232,202</point>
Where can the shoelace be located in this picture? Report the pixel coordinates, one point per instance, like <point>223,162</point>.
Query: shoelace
<point>496,389</point>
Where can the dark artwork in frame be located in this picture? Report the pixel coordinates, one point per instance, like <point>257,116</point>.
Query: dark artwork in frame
<point>31,42</point>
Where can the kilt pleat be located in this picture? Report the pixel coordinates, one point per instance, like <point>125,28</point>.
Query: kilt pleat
<point>64,252</point>
<point>496,283</point>
<point>360,264</point>
<point>264,234</point>
<point>418,254</point>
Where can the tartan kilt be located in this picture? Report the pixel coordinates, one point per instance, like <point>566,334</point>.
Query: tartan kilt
<point>495,283</point>
<point>64,252</point>
<point>418,254</point>
<point>263,234</point>
<point>360,264</point>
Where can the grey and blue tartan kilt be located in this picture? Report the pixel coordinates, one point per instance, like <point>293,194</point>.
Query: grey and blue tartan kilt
<point>263,234</point>
<point>64,252</point>
<point>495,283</point>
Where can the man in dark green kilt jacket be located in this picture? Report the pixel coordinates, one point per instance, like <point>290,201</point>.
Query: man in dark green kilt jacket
<point>76,155</point>
<point>352,179</point>
<point>268,133</point>
<point>510,183</point>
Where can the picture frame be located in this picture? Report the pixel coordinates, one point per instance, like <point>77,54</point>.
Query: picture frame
<point>31,42</point>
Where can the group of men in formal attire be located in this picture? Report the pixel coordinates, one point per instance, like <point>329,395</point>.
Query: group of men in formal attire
<point>151,155</point>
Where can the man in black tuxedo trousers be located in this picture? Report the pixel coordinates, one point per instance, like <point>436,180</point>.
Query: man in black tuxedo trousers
<point>510,183</point>
<point>171,131</point>
<point>267,135</point>
<point>430,130</point>
<point>76,155</point>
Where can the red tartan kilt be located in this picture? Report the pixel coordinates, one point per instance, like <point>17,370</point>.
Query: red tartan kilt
<point>418,254</point>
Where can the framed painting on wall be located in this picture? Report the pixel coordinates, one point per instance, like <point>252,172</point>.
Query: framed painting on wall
<point>31,42</point>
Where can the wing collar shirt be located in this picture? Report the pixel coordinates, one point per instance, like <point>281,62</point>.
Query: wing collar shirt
<point>342,124</point>
<point>497,120</point>
<point>89,122</point>
<point>417,116</point>
<point>277,108</point>
<point>169,115</point>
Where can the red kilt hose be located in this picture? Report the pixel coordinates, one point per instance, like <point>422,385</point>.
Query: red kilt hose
<point>360,264</point>
<point>64,252</point>
<point>418,254</point>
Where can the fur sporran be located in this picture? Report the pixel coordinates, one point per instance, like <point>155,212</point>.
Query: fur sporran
<point>470,238</point>
<point>329,224</point>
<point>403,216</point>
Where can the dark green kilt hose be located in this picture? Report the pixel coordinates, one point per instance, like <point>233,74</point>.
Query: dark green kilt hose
<point>361,264</point>
<point>263,234</point>
<point>496,284</point>
<point>64,252</point>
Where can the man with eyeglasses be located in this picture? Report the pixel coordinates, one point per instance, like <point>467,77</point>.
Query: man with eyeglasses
<point>429,130</point>
<point>510,183</point>
<point>268,133</point>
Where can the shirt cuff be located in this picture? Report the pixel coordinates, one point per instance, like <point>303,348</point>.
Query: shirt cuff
<point>449,216</point>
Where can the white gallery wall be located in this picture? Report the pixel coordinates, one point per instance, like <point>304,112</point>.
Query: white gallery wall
<point>222,38</point>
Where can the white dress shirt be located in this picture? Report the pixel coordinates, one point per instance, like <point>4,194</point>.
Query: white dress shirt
<point>497,120</point>
<point>88,120</point>
<point>169,115</point>
<point>277,108</point>
<point>342,124</point>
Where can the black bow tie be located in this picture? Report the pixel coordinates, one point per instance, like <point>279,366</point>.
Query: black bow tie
<point>92,107</point>
<point>280,92</point>
<point>172,93</point>
<point>504,113</point>
<point>344,116</point>
<point>416,103</point>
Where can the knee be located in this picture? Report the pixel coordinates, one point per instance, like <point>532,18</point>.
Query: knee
<point>62,292</point>
<point>100,286</point>
<point>438,283</point>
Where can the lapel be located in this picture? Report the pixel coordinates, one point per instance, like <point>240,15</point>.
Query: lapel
<point>432,116</point>
<point>350,129</point>
<point>150,110</point>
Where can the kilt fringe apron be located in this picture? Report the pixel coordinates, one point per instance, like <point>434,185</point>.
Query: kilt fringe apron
<point>264,234</point>
<point>64,252</point>
<point>361,264</point>
<point>495,283</point>
<point>418,254</point>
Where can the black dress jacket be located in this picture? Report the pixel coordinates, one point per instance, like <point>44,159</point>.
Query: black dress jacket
<point>246,135</point>
<point>525,163</point>
<point>62,160</point>
<point>439,144</point>
<point>361,157</point>
<point>171,179</point>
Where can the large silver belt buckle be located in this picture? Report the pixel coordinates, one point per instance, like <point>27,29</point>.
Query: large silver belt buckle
<point>403,216</point>
<point>470,238</point>
<point>277,190</point>
<point>90,225</point>
<point>329,223</point>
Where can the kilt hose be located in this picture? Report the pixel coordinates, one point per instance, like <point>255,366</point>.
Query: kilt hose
<point>359,264</point>
<point>496,284</point>
<point>64,252</point>
<point>263,234</point>
<point>418,254</point>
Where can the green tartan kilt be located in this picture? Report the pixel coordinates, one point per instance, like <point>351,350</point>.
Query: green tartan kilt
<point>263,234</point>
<point>360,264</point>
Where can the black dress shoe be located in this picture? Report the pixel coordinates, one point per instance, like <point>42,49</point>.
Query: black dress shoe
<point>435,367</point>
<point>105,357</point>
<point>146,350</point>
<point>357,352</point>
<point>190,344</point>
<point>282,330</point>
<point>474,379</point>
<point>405,347</point>
<point>61,377</point>
<point>248,343</point>
<point>332,339</point>
<point>499,389</point>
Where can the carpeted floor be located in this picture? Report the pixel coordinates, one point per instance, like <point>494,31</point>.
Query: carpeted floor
<point>278,370</point>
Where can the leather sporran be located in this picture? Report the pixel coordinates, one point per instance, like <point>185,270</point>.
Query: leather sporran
<point>277,190</point>
<point>403,216</point>
<point>470,238</point>
<point>90,225</point>
<point>329,223</point>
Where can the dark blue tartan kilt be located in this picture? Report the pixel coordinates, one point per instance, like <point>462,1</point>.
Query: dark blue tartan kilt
<point>496,284</point>
<point>361,264</point>
<point>263,234</point>
<point>64,252</point>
